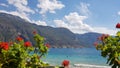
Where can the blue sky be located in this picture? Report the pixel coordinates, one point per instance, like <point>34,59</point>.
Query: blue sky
<point>79,16</point>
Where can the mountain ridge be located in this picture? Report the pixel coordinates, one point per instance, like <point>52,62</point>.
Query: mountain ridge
<point>11,25</point>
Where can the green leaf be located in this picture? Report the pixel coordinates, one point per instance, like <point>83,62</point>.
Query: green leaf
<point>116,55</point>
<point>118,33</point>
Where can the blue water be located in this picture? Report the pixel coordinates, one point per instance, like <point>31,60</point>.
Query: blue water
<point>76,56</point>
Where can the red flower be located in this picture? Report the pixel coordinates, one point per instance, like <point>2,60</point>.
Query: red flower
<point>95,43</point>
<point>27,44</point>
<point>104,36</point>
<point>118,25</point>
<point>4,45</point>
<point>65,63</point>
<point>34,32</point>
<point>19,38</point>
<point>47,45</point>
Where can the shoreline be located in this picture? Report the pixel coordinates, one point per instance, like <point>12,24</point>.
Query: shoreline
<point>89,66</point>
<point>84,66</point>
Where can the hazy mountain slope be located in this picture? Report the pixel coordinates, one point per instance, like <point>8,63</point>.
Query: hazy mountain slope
<point>11,25</point>
<point>88,39</point>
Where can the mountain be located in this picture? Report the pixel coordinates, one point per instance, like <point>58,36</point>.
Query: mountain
<point>11,25</point>
<point>88,39</point>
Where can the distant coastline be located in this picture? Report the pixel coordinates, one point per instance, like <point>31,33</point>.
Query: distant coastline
<point>66,46</point>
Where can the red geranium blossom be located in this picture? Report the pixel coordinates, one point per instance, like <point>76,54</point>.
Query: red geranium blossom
<point>4,45</point>
<point>104,36</point>
<point>47,45</point>
<point>118,25</point>
<point>19,38</point>
<point>27,44</point>
<point>34,32</point>
<point>65,63</point>
<point>95,43</point>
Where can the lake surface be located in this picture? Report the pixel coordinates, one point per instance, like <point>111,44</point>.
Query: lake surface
<point>76,56</point>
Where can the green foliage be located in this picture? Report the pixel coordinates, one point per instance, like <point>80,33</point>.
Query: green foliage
<point>21,54</point>
<point>110,49</point>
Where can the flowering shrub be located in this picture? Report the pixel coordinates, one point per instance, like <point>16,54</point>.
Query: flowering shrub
<point>110,48</point>
<point>22,54</point>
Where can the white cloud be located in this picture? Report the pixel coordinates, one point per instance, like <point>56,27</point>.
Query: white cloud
<point>22,9</point>
<point>84,9</point>
<point>22,15</point>
<point>21,5</point>
<point>119,13</point>
<point>74,22</point>
<point>4,5</point>
<point>40,23</point>
<point>49,6</point>
<point>60,23</point>
<point>104,30</point>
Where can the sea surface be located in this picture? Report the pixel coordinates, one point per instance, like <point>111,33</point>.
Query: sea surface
<point>78,57</point>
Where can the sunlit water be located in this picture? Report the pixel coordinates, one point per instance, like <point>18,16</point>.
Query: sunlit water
<point>84,56</point>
